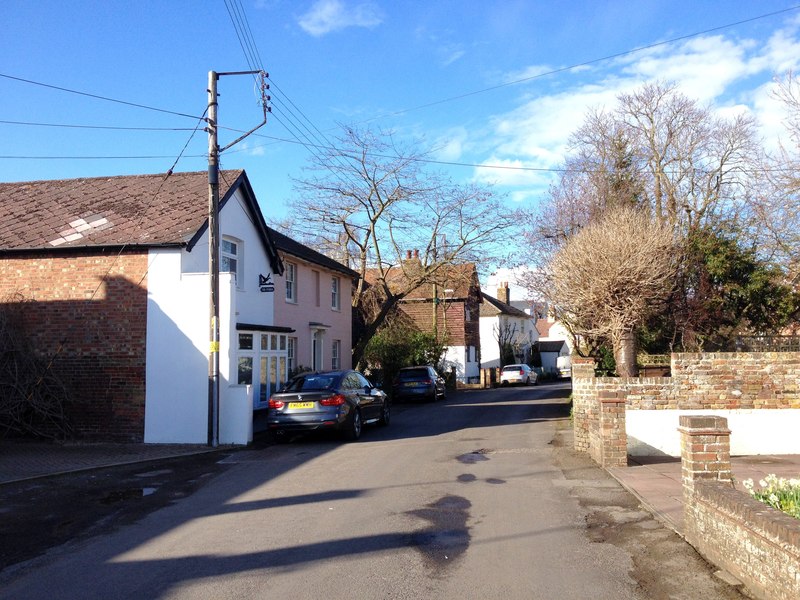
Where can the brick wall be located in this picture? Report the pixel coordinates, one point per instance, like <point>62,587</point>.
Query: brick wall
<point>738,380</point>
<point>757,544</point>
<point>450,318</point>
<point>86,312</point>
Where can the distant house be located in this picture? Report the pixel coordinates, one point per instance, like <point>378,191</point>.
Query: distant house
<point>448,306</point>
<point>314,298</point>
<point>502,323</point>
<point>108,280</point>
<point>549,352</point>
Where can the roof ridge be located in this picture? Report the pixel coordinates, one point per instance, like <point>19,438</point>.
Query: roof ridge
<point>107,177</point>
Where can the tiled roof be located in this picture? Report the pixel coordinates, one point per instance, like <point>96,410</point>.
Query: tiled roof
<point>452,281</point>
<point>551,346</point>
<point>289,246</point>
<point>493,306</point>
<point>138,210</point>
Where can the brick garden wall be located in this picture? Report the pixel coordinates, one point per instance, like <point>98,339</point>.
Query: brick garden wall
<point>757,544</point>
<point>751,380</point>
<point>86,312</point>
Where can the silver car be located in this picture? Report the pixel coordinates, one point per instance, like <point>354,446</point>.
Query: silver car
<point>521,374</point>
<point>343,401</point>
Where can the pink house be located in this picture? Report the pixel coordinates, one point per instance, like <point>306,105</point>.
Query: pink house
<point>313,298</point>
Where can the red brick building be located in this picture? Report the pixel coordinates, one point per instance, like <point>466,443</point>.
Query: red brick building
<point>449,305</point>
<point>106,279</point>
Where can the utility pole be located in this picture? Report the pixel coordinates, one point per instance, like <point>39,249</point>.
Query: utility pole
<point>213,262</point>
<point>213,239</point>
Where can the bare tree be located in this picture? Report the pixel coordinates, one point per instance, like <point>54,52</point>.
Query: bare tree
<point>776,226</point>
<point>608,278</point>
<point>660,150</point>
<point>505,334</point>
<point>370,198</point>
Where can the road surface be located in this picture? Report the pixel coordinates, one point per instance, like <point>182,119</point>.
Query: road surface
<point>464,498</point>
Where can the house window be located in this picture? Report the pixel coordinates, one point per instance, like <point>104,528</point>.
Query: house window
<point>335,353</point>
<point>316,287</point>
<point>245,363</point>
<point>291,350</point>
<point>335,293</point>
<point>230,258</point>
<point>291,283</point>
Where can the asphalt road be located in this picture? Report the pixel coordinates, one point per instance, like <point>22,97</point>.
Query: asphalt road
<point>479,496</point>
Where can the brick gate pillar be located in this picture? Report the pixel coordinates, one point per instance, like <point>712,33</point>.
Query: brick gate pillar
<point>612,434</point>
<point>583,396</point>
<point>705,451</point>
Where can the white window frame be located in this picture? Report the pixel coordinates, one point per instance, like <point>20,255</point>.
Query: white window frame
<point>246,354</point>
<point>336,353</point>
<point>291,354</point>
<point>237,257</point>
<point>336,293</point>
<point>291,283</point>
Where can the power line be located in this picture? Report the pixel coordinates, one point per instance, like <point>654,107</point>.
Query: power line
<point>88,95</point>
<point>294,125</point>
<point>578,65</point>
<point>110,127</point>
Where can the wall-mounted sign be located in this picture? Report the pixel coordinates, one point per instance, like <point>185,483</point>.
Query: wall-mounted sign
<point>265,283</point>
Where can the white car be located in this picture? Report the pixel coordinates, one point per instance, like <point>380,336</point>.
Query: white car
<point>522,374</point>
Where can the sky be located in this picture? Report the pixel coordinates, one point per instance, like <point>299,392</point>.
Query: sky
<point>492,89</point>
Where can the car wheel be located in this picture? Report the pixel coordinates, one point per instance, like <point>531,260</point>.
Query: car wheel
<point>527,381</point>
<point>386,413</point>
<point>353,431</point>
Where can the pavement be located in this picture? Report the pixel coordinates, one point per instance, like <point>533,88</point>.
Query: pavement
<point>22,460</point>
<point>655,481</point>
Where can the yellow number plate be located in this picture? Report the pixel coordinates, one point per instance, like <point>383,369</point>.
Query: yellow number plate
<point>301,405</point>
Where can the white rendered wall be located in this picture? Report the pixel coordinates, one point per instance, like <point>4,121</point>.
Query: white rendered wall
<point>753,431</point>
<point>455,356</point>
<point>176,404</point>
<point>490,350</point>
<point>176,401</point>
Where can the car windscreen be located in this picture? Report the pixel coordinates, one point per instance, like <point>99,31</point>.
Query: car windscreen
<point>307,383</point>
<point>413,374</point>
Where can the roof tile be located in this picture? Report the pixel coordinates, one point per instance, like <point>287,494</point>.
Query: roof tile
<point>106,211</point>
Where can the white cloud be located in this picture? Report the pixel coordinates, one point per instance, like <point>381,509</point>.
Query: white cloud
<point>451,55</point>
<point>731,75</point>
<point>326,16</point>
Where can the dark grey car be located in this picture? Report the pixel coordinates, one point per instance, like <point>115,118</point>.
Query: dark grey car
<point>337,400</point>
<point>418,382</point>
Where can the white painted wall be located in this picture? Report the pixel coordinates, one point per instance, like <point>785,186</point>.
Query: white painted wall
<point>176,404</point>
<point>176,391</point>
<point>490,349</point>
<point>456,356</point>
<point>753,432</point>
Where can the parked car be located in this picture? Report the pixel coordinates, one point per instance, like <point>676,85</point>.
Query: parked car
<point>418,382</point>
<point>344,401</point>
<point>522,374</point>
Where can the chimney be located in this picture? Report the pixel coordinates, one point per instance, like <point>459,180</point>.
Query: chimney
<point>408,254</point>
<point>502,292</point>
<point>416,254</point>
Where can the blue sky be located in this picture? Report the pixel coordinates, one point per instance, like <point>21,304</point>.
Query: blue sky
<point>412,67</point>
